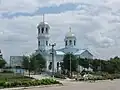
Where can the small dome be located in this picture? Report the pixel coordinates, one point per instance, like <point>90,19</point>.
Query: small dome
<point>43,24</point>
<point>70,34</point>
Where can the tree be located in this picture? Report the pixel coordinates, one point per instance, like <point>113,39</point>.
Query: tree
<point>38,62</point>
<point>84,62</point>
<point>66,62</point>
<point>2,63</point>
<point>25,63</point>
<point>34,62</point>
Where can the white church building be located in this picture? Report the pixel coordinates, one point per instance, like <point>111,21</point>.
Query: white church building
<point>70,41</point>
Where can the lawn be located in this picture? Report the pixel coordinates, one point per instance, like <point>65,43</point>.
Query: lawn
<point>13,77</point>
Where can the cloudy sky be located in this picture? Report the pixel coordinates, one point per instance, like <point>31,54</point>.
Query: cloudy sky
<point>96,24</point>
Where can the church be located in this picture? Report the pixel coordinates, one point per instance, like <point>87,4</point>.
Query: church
<point>70,42</point>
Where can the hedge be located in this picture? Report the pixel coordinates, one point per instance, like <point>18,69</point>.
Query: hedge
<point>4,84</point>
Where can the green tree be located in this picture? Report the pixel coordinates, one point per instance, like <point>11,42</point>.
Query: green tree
<point>36,63</point>
<point>84,62</point>
<point>116,64</point>
<point>2,63</point>
<point>25,63</point>
<point>66,62</point>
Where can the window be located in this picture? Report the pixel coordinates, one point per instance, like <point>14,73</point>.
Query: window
<point>66,43</point>
<point>46,43</point>
<point>74,42</point>
<point>42,29</point>
<point>50,66</point>
<point>38,30</point>
<point>57,66</point>
<point>46,30</point>
<point>39,43</point>
<point>70,42</point>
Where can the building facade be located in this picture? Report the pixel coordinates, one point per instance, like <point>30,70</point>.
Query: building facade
<point>1,56</point>
<point>16,61</point>
<point>70,42</point>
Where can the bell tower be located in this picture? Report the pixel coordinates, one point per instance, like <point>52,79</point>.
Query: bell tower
<point>70,39</point>
<point>43,35</point>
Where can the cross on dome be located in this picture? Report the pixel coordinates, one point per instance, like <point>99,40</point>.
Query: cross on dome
<point>43,17</point>
<point>43,23</point>
<point>70,33</point>
<point>70,29</point>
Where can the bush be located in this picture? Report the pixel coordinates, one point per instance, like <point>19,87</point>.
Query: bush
<point>28,83</point>
<point>116,76</point>
<point>6,71</point>
<point>59,76</point>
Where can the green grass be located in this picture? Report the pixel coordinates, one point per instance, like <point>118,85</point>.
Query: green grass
<point>13,77</point>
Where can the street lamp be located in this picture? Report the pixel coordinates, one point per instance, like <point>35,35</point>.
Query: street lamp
<point>52,45</point>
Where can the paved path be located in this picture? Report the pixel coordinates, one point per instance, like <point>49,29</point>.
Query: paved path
<point>100,85</point>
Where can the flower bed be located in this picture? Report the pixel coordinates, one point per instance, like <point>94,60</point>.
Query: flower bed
<point>26,83</point>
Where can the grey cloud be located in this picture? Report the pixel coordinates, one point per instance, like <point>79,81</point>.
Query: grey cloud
<point>87,27</point>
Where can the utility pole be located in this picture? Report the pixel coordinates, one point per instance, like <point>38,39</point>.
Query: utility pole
<point>70,64</point>
<point>78,67</point>
<point>100,68</point>
<point>29,65</point>
<point>52,45</point>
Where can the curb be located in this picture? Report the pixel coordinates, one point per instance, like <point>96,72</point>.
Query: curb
<point>22,88</point>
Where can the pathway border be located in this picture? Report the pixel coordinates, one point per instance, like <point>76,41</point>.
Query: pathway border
<point>22,88</point>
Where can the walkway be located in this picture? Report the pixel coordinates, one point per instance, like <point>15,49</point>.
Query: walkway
<point>100,85</point>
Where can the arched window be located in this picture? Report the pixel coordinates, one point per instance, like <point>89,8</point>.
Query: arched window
<point>50,66</point>
<point>70,42</point>
<point>39,43</point>
<point>46,43</point>
<point>57,65</point>
<point>42,29</point>
<point>66,43</point>
<point>74,42</point>
<point>38,30</point>
<point>46,30</point>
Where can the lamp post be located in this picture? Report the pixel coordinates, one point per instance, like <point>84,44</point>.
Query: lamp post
<point>52,45</point>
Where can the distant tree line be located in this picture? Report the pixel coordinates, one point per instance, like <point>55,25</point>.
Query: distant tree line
<point>111,66</point>
<point>37,63</point>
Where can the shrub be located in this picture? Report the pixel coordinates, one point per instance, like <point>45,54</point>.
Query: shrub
<point>27,83</point>
<point>116,76</point>
<point>59,76</point>
<point>6,71</point>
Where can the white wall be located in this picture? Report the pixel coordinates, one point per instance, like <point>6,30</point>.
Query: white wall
<point>16,60</point>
